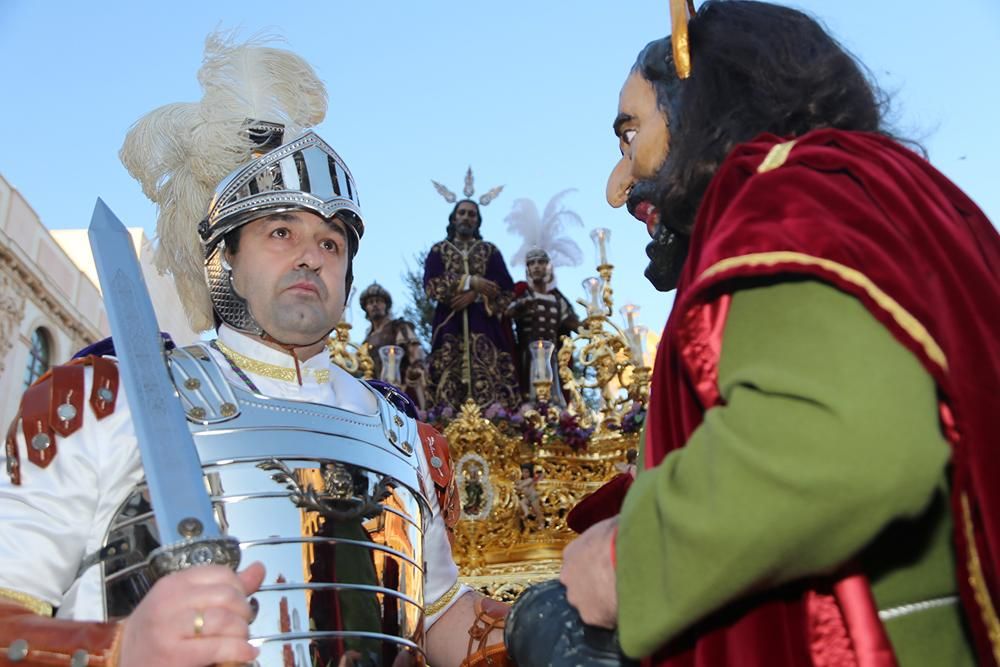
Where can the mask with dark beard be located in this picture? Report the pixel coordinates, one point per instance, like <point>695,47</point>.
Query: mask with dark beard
<point>669,247</point>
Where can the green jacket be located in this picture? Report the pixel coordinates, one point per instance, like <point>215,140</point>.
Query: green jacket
<point>827,449</point>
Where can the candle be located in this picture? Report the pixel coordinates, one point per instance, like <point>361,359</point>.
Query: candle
<point>541,360</point>
<point>601,237</point>
<point>592,289</point>
<point>391,355</point>
<point>629,311</point>
<point>637,344</point>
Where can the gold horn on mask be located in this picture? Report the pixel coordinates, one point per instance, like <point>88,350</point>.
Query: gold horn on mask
<point>681,12</point>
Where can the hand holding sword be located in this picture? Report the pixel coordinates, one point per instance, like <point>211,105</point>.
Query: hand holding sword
<point>197,612</point>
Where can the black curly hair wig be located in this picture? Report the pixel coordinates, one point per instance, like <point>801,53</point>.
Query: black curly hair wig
<point>756,67</point>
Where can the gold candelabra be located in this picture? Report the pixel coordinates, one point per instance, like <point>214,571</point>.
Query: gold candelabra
<point>610,361</point>
<point>353,358</point>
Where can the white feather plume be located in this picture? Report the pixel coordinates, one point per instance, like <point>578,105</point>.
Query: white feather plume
<point>181,152</point>
<point>546,231</point>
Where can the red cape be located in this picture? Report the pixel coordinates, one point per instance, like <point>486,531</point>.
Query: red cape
<point>873,219</point>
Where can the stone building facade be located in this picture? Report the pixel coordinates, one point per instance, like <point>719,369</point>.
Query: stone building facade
<point>50,303</point>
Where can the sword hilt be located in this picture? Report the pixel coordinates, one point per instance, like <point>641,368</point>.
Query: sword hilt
<point>170,558</point>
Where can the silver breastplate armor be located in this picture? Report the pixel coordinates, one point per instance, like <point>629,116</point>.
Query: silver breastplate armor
<point>329,500</point>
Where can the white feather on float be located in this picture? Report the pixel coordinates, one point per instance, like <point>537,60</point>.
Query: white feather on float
<point>180,152</point>
<point>546,231</point>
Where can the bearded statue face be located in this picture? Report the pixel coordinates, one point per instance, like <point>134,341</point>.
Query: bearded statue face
<point>375,308</point>
<point>643,132</point>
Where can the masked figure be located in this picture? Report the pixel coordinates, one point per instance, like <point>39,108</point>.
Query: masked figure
<point>384,330</point>
<point>342,496</point>
<point>472,346</point>
<point>818,482</point>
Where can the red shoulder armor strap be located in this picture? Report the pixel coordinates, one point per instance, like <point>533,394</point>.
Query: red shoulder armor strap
<point>53,406</point>
<point>438,457</point>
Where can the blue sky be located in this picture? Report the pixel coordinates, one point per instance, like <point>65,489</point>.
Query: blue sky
<point>525,92</point>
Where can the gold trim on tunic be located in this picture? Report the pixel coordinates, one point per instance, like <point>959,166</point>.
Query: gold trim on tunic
<point>272,371</point>
<point>30,601</point>
<point>443,601</point>
<point>910,324</point>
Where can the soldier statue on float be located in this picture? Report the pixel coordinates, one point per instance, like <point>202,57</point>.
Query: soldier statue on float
<point>385,330</point>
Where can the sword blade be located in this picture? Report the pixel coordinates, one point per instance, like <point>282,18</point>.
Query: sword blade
<point>169,457</point>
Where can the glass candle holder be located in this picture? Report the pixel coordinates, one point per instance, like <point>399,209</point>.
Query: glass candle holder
<point>391,356</point>
<point>601,238</point>
<point>592,290</point>
<point>630,312</point>
<point>637,344</point>
<point>541,360</point>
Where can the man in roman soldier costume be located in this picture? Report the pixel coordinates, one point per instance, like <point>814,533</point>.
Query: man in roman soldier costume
<point>472,345</point>
<point>341,497</point>
<point>819,471</point>
<point>384,330</point>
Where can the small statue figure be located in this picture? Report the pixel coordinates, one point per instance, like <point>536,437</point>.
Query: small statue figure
<point>376,301</point>
<point>527,495</point>
<point>629,467</point>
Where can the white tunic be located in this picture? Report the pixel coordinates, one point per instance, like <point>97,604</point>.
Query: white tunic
<point>60,514</point>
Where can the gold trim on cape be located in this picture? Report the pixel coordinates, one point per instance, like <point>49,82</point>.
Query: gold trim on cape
<point>910,324</point>
<point>978,582</point>
<point>30,601</point>
<point>776,156</point>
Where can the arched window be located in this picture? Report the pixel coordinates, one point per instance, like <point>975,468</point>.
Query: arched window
<point>39,357</point>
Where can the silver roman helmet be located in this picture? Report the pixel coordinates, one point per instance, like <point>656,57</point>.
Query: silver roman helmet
<point>243,151</point>
<point>304,174</point>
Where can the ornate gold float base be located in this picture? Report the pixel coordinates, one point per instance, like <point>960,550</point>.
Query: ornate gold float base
<point>501,544</point>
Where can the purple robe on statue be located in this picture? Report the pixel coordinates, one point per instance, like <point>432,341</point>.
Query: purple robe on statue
<point>489,363</point>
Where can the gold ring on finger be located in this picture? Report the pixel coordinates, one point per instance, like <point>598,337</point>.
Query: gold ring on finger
<point>199,623</point>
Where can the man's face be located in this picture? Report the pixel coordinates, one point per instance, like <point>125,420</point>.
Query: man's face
<point>538,269</point>
<point>375,308</point>
<point>291,268</point>
<point>466,220</point>
<point>637,179</point>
